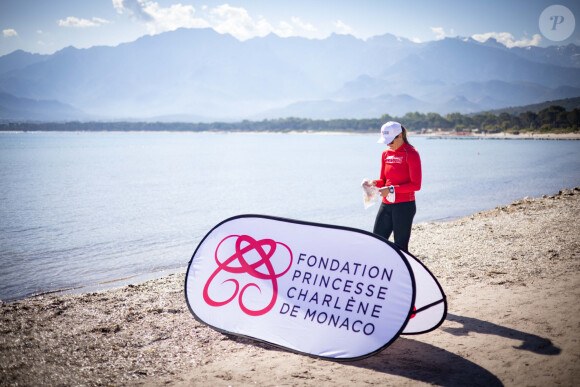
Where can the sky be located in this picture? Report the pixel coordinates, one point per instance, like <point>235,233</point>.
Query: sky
<point>46,26</point>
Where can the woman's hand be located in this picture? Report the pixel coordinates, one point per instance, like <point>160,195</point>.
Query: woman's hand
<point>384,191</point>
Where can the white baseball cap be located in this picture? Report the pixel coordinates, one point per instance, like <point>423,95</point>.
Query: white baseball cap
<point>389,131</point>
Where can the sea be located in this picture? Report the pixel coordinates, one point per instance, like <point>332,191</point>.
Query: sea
<point>82,211</point>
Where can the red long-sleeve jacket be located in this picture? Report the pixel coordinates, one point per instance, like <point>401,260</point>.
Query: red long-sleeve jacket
<point>402,169</point>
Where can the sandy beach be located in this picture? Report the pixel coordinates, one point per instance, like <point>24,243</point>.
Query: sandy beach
<point>511,275</point>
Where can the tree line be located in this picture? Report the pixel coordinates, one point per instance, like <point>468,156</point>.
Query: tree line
<point>551,119</point>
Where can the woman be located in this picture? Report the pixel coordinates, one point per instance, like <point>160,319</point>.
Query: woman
<point>400,178</point>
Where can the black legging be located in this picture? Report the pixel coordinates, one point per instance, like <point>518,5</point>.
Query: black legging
<point>397,217</point>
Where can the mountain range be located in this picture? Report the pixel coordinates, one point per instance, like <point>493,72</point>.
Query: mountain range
<point>200,75</point>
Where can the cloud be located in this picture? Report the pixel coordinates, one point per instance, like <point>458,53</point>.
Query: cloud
<point>158,19</point>
<point>302,25</point>
<point>441,34</point>
<point>238,22</point>
<point>508,39</point>
<point>172,18</point>
<point>343,28</point>
<point>100,21</point>
<point>9,33</point>
<point>296,27</point>
<point>235,21</point>
<point>135,8</point>
<point>75,22</point>
<point>285,29</point>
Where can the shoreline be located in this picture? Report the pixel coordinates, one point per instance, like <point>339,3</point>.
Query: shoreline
<point>108,285</point>
<point>140,278</point>
<point>511,277</point>
<point>435,135</point>
<point>505,136</point>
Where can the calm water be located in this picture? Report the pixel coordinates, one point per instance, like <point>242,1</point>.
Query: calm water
<point>84,208</point>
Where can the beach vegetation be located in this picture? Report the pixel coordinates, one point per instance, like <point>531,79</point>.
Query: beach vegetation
<point>553,119</point>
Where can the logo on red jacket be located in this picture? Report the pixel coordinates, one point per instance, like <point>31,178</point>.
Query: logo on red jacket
<point>394,159</point>
<point>250,264</point>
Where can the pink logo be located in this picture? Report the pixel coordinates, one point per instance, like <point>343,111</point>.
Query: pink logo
<point>244,267</point>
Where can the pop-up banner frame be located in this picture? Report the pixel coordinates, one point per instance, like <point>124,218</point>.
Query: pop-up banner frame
<point>326,291</point>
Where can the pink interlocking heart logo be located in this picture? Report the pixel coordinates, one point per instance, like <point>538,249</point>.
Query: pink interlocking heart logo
<point>262,269</point>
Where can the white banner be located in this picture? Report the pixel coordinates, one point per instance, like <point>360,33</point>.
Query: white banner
<point>430,307</point>
<point>327,291</point>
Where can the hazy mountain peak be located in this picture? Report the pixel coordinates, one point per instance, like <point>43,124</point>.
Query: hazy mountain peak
<point>19,59</point>
<point>200,72</point>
